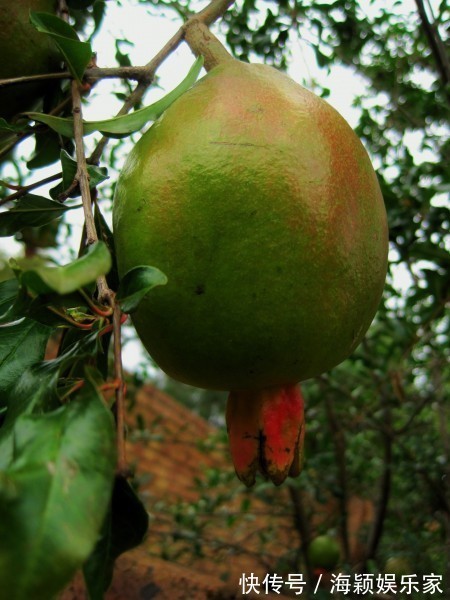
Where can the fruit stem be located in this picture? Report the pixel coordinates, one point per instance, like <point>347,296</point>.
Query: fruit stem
<point>204,43</point>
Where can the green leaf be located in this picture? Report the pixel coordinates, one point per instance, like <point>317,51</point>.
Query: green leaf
<point>124,528</point>
<point>34,391</point>
<point>76,54</point>
<point>19,308</point>
<point>10,127</point>
<point>69,170</point>
<point>125,124</point>
<point>47,149</point>
<point>54,496</point>
<point>8,294</point>
<point>43,279</point>
<point>21,345</point>
<point>136,284</point>
<point>30,211</point>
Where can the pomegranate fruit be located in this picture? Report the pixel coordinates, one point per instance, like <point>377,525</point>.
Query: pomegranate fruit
<point>323,552</point>
<point>24,51</point>
<point>260,204</point>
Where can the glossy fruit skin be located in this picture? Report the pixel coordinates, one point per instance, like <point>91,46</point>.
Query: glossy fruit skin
<point>261,206</point>
<point>24,51</point>
<point>323,552</point>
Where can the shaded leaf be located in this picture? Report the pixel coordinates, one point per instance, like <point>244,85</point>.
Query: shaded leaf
<point>30,211</point>
<point>33,391</point>
<point>10,127</point>
<point>47,149</point>
<point>54,496</point>
<point>21,345</point>
<point>124,528</point>
<point>43,279</point>
<point>136,284</point>
<point>125,124</point>
<point>8,293</point>
<point>18,308</point>
<point>77,54</point>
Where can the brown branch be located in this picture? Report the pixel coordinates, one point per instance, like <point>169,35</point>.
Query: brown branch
<point>436,44</point>
<point>203,43</point>
<point>82,176</point>
<point>339,451</point>
<point>90,74</point>
<point>385,490</point>
<point>20,137</point>
<point>213,11</point>
<point>28,188</point>
<point>122,467</point>
<point>302,526</point>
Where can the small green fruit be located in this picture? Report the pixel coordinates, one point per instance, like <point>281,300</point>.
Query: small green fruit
<point>398,565</point>
<point>261,206</point>
<point>24,51</point>
<point>323,553</point>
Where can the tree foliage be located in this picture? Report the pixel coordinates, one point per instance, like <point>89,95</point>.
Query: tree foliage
<point>378,424</point>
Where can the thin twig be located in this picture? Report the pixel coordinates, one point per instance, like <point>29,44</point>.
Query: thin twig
<point>90,74</point>
<point>303,528</point>
<point>122,466</point>
<point>213,11</point>
<point>338,438</point>
<point>28,188</point>
<point>82,177</point>
<point>436,44</point>
<point>385,490</point>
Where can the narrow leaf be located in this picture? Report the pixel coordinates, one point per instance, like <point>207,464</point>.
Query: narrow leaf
<point>76,54</point>
<point>43,279</point>
<point>30,211</point>
<point>125,124</point>
<point>54,496</point>
<point>136,284</point>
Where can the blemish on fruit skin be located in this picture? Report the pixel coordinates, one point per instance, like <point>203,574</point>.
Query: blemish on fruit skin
<point>200,289</point>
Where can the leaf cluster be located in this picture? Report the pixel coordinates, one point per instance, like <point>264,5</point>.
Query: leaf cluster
<point>64,503</point>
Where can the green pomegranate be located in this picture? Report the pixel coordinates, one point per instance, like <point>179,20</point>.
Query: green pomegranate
<point>323,552</point>
<point>23,51</point>
<point>261,206</point>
